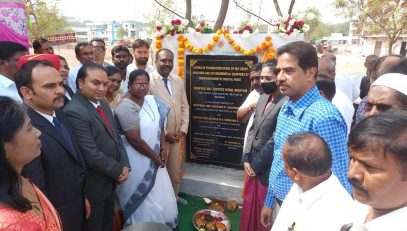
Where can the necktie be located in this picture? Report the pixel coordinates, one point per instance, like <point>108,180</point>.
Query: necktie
<point>166,85</point>
<point>103,115</point>
<point>64,133</point>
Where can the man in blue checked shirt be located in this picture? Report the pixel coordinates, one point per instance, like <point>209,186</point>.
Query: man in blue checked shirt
<point>306,110</point>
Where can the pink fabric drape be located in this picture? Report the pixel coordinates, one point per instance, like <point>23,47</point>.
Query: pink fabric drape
<point>13,23</point>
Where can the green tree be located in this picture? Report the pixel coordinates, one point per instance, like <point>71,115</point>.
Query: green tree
<point>342,28</point>
<point>121,32</point>
<point>311,16</point>
<point>48,18</point>
<point>374,17</point>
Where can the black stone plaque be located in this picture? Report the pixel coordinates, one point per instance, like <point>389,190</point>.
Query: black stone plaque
<point>216,87</point>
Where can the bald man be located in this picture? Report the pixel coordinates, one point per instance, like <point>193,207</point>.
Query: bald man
<point>317,201</point>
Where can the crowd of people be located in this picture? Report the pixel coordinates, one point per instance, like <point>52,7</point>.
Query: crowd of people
<point>98,146</point>
<point>102,141</point>
<point>311,161</point>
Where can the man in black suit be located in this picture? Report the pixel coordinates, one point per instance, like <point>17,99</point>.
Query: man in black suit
<point>105,156</point>
<point>60,171</point>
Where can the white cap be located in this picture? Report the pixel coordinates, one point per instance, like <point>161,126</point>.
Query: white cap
<point>395,81</point>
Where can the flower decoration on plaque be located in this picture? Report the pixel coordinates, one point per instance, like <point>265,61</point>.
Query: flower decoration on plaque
<point>172,28</point>
<point>245,28</point>
<point>290,27</point>
<point>203,27</point>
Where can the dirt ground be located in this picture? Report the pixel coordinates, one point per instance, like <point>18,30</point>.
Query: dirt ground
<point>348,63</point>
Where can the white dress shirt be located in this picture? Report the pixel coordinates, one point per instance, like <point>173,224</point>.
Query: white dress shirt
<point>253,97</point>
<point>71,81</point>
<point>345,107</point>
<point>168,83</point>
<point>8,88</point>
<point>325,207</point>
<point>394,221</point>
<point>131,67</point>
<point>95,104</point>
<point>48,117</point>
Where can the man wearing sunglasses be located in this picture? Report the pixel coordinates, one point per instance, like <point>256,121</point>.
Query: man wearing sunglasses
<point>383,65</point>
<point>388,91</point>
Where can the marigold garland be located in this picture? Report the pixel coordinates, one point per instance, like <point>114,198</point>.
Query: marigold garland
<point>266,46</point>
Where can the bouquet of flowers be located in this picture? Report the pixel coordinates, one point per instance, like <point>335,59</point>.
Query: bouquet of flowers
<point>173,27</point>
<point>245,28</point>
<point>203,28</point>
<point>290,26</point>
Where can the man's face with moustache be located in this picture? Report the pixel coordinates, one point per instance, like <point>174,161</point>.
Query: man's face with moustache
<point>378,178</point>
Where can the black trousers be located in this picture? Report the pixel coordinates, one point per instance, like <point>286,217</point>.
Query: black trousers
<point>101,216</point>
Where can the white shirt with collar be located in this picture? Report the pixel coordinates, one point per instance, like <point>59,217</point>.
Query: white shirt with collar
<point>325,207</point>
<point>253,97</point>
<point>48,117</point>
<point>131,67</point>
<point>96,105</point>
<point>71,81</point>
<point>9,88</point>
<point>394,221</point>
<point>168,83</point>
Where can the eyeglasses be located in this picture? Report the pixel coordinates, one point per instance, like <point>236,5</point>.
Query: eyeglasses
<point>256,78</point>
<point>140,85</point>
<point>379,107</point>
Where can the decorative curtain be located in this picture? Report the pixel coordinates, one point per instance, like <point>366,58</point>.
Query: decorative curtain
<point>13,22</point>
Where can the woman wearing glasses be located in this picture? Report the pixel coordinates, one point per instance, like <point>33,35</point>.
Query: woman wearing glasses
<point>147,195</point>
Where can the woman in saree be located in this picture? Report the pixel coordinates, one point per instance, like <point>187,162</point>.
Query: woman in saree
<point>22,205</point>
<point>115,79</point>
<point>147,195</point>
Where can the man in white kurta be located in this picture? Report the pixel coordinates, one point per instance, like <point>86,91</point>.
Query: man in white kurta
<point>317,200</point>
<point>327,206</point>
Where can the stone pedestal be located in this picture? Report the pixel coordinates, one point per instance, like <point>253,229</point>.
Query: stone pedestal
<point>212,181</point>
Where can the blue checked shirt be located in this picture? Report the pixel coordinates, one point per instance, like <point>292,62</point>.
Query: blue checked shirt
<point>311,113</point>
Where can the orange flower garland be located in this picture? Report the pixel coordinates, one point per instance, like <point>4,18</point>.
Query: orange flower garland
<point>266,47</point>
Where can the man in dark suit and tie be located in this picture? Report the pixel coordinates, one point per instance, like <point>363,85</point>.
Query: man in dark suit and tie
<point>258,152</point>
<point>60,171</point>
<point>105,156</point>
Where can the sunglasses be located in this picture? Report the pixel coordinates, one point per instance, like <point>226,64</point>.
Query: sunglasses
<point>379,107</point>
